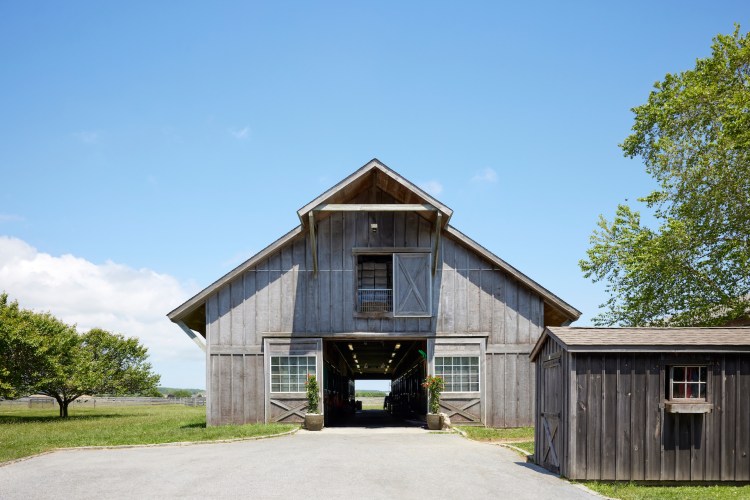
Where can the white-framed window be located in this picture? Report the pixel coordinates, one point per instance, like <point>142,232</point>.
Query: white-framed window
<point>460,373</point>
<point>289,373</point>
<point>687,382</point>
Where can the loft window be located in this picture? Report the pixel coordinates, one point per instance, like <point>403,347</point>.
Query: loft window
<point>399,284</point>
<point>687,383</point>
<point>289,373</point>
<point>374,283</point>
<point>460,373</point>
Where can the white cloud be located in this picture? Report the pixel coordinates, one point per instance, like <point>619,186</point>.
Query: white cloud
<point>486,175</point>
<point>112,296</point>
<point>87,136</point>
<point>433,187</point>
<point>242,133</point>
<point>10,218</point>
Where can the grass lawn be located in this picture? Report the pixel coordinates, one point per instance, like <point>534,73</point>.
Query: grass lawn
<point>25,432</point>
<point>630,491</point>
<point>520,437</point>
<point>491,434</point>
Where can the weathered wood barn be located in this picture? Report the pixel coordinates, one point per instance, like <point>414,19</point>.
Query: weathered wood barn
<point>644,404</point>
<point>373,284</point>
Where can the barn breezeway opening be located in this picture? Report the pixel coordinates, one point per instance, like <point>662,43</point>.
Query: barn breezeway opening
<point>400,362</point>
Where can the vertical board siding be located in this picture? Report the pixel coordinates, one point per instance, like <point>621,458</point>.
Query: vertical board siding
<point>281,295</point>
<point>615,426</point>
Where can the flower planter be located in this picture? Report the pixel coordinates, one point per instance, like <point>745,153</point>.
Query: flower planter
<point>434,421</point>
<point>313,422</point>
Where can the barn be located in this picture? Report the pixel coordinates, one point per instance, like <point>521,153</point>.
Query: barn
<point>374,283</point>
<point>644,404</point>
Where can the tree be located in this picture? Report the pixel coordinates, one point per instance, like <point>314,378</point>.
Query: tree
<point>693,135</point>
<point>54,359</point>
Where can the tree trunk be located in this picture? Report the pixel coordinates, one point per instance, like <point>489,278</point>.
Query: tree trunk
<point>64,409</point>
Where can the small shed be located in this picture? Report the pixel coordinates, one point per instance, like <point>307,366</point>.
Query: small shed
<point>643,404</point>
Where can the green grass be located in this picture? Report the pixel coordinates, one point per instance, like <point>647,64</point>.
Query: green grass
<point>491,434</point>
<point>527,446</point>
<point>630,491</point>
<point>25,432</point>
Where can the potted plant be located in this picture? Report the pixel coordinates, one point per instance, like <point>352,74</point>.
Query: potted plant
<point>313,418</point>
<point>435,386</point>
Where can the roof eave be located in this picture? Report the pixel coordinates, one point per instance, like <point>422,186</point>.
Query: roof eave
<point>571,312</point>
<point>186,308</point>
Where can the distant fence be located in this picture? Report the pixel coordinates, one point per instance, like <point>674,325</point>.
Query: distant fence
<point>43,402</point>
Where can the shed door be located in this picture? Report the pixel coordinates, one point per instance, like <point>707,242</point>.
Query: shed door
<point>550,414</point>
<point>412,284</point>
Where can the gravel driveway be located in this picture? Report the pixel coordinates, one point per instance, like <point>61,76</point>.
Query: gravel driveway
<point>336,463</point>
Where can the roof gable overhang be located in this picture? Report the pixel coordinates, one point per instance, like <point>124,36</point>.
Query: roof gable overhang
<point>408,196</point>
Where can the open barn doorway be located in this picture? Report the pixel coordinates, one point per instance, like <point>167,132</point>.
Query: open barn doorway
<point>399,365</point>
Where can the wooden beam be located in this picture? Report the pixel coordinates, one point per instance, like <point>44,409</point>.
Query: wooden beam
<point>438,226</point>
<point>190,333</point>
<point>313,243</point>
<point>374,207</point>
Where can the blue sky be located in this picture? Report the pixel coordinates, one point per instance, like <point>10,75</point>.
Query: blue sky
<point>146,148</point>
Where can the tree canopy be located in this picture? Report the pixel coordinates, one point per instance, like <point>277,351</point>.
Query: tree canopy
<point>693,136</point>
<point>40,353</point>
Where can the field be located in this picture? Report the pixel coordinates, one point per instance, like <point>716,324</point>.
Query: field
<point>25,431</point>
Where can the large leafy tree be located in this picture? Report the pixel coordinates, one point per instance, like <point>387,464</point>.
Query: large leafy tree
<point>693,136</point>
<point>40,353</point>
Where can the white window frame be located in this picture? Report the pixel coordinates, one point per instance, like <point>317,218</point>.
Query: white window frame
<point>439,372</point>
<point>702,383</point>
<point>289,365</point>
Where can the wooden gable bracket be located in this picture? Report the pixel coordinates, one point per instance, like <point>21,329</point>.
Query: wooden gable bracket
<point>438,226</point>
<point>194,336</point>
<point>313,243</point>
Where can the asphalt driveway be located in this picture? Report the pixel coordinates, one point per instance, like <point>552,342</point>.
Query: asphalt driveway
<point>389,462</point>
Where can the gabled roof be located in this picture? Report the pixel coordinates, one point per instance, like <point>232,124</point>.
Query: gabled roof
<point>688,339</point>
<point>375,173</point>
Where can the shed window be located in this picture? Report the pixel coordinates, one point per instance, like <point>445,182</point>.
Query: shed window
<point>687,382</point>
<point>289,373</point>
<point>460,373</point>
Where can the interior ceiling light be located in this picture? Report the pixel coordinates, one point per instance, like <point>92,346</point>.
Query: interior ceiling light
<point>354,355</point>
<point>389,361</point>
<point>398,346</point>
<point>351,348</point>
<point>393,355</point>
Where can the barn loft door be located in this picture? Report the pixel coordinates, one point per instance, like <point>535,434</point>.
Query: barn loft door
<point>412,284</point>
<point>550,414</point>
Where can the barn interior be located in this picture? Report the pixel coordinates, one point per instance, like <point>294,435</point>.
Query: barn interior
<point>402,361</point>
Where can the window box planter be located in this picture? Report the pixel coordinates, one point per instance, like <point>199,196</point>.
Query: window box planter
<point>688,407</point>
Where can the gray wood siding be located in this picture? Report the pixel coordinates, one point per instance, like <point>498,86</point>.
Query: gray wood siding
<point>470,297</point>
<point>618,428</point>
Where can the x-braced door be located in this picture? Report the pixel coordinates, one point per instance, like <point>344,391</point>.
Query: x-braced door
<point>550,414</point>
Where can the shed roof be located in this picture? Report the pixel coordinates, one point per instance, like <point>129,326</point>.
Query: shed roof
<point>645,339</point>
